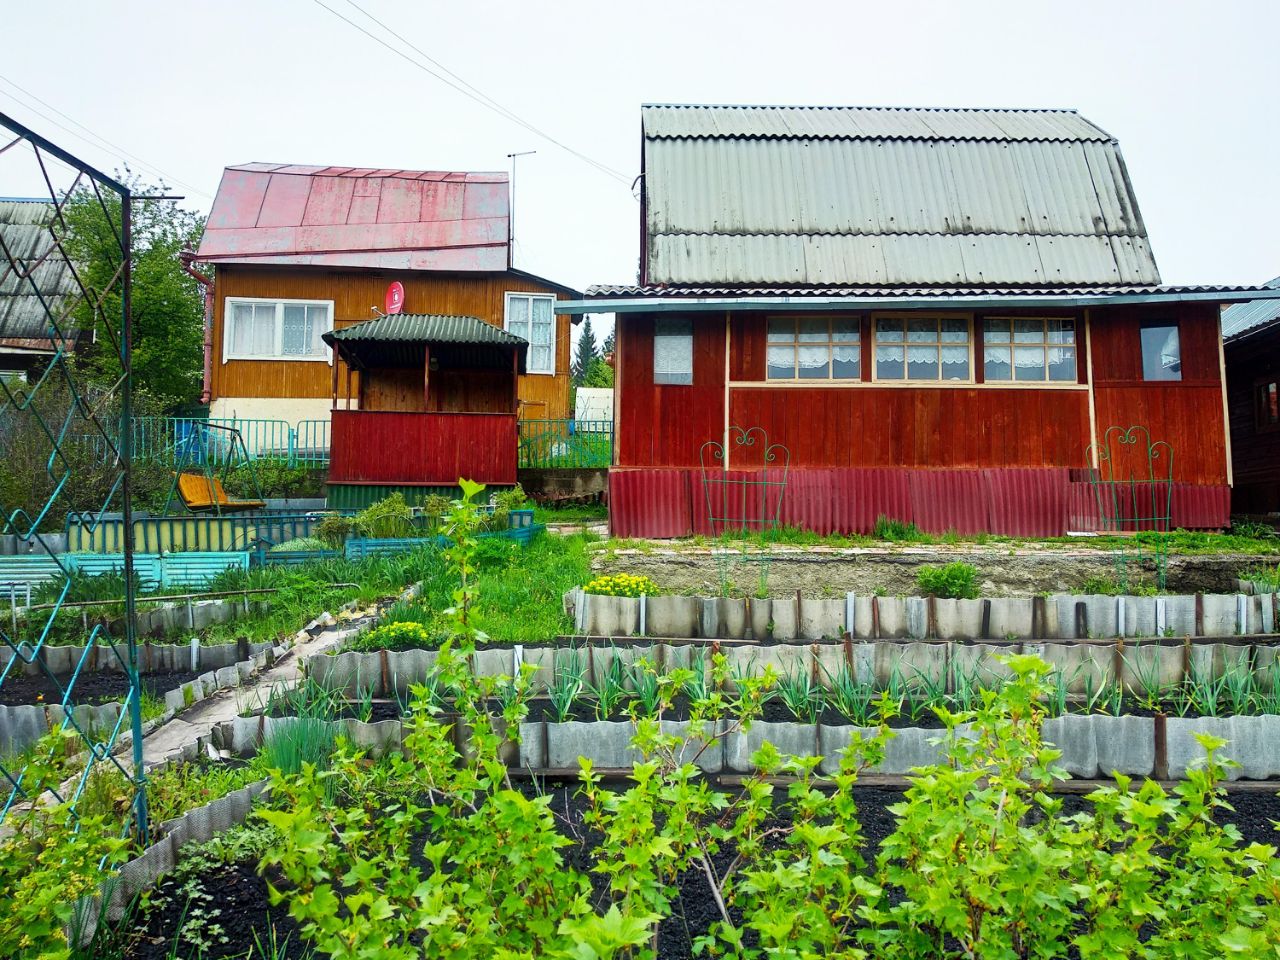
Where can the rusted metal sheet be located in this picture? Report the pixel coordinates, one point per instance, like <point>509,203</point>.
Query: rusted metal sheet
<point>1201,507</point>
<point>336,216</point>
<point>1027,503</point>
<point>943,500</point>
<point>649,503</point>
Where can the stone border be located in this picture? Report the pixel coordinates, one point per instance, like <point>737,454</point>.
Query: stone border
<point>1057,616</point>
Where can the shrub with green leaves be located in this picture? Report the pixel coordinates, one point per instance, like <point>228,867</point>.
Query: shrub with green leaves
<point>401,635</point>
<point>954,581</point>
<point>887,528</point>
<point>622,585</point>
<point>386,519</point>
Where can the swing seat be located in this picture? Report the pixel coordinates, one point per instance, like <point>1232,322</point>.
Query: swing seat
<point>200,493</point>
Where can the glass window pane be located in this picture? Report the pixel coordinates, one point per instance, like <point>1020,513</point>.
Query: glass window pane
<point>1062,364</point>
<point>814,363</point>
<point>845,329</point>
<point>889,329</point>
<point>919,330</point>
<point>518,316</point>
<point>539,358</point>
<point>673,352</point>
<point>543,309</point>
<point>318,317</point>
<point>955,331</point>
<point>889,363</point>
<point>1161,352</point>
<point>955,363</point>
<point>814,330</point>
<point>1028,363</point>
<point>922,363</point>
<point>295,338</point>
<point>542,333</point>
<point>996,330</point>
<point>781,329</point>
<point>1061,331</point>
<point>241,327</point>
<point>781,363</point>
<point>1028,331</point>
<point>846,363</point>
<point>263,342</point>
<point>996,364</point>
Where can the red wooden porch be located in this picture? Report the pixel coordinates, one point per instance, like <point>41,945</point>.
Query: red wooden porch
<point>422,449</point>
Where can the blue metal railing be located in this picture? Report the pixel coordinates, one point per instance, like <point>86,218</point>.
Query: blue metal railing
<point>182,440</point>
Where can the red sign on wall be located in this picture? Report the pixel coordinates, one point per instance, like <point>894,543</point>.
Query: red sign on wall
<point>395,297</point>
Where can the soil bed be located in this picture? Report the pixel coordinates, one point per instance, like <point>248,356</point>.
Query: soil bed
<point>96,686</point>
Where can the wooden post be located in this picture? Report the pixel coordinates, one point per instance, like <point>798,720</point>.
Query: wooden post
<point>334,405</point>
<point>426,378</point>
<point>347,402</point>
<point>515,382</point>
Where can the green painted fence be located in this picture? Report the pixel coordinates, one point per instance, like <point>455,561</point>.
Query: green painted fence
<point>566,444</point>
<point>185,441</point>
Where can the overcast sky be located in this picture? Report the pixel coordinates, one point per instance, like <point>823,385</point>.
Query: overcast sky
<point>1189,89</point>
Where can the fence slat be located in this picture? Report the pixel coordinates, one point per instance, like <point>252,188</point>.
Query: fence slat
<point>566,444</point>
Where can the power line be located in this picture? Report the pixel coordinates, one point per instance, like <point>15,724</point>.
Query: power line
<point>102,142</point>
<point>466,89</point>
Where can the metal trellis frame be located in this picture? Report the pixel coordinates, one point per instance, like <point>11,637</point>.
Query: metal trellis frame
<point>742,501</point>
<point>52,411</point>
<point>1133,492</point>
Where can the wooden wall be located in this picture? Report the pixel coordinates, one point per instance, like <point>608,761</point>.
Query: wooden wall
<point>353,293</point>
<point>1187,414</point>
<point>870,425</point>
<point>1255,453</point>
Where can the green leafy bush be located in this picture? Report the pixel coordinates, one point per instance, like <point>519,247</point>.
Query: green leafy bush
<point>955,581</point>
<point>334,530</point>
<point>402,635</point>
<point>273,477</point>
<point>386,519</point>
<point>300,544</point>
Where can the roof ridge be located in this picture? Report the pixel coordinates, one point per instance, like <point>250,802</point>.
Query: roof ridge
<point>852,106</point>
<point>886,233</point>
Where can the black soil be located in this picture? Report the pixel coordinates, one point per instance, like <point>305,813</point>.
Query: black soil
<point>244,909</point>
<point>96,686</point>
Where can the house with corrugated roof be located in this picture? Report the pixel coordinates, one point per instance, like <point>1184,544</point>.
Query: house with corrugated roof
<point>1251,345</point>
<point>36,297</point>
<point>931,315</point>
<point>303,254</point>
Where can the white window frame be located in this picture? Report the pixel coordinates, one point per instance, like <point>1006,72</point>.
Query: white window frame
<point>906,380</point>
<point>279,357</point>
<point>686,344</point>
<point>555,327</point>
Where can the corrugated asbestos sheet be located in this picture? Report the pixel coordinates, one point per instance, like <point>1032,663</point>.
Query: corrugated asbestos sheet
<point>614,290</point>
<point>1243,317</point>
<point>25,235</point>
<point>1016,502</point>
<point>427,328</point>
<point>340,216</point>
<point>748,196</point>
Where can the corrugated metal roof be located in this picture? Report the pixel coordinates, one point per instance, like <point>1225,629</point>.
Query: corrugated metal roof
<point>1243,317</point>
<point>359,217</point>
<point>426,328</point>
<point>42,273</point>
<point>915,123</point>
<point>747,196</point>
<point>940,293</point>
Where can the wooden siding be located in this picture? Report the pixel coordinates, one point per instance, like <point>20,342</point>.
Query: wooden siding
<point>1186,413</point>
<point>422,448</point>
<point>1255,453</point>
<point>971,425</point>
<point>353,293</point>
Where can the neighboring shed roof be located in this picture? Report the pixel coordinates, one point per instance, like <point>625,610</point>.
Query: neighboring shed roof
<point>266,213</point>
<point>1241,318</point>
<point>24,233</point>
<point>847,196</point>
<point>426,328</point>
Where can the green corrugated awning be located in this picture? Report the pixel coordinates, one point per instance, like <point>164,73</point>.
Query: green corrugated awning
<point>426,328</point>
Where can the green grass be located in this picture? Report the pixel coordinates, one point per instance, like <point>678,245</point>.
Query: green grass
<point>520,589</point>
<point>571,513</point>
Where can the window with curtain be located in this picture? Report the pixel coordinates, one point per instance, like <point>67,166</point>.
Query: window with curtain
<point>532,316</point>
<point>922,348</point>
<point>1030,349</point>
<point>276,329</point>
<point>814,348</point>
<point>673,352</point>
<point>1161,352</point>
<point>1266,405</point>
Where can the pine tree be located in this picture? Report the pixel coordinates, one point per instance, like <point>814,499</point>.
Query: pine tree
<point>587,351</point>
<point>607,347</point>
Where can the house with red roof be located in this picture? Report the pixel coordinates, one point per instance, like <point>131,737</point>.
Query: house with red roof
<point>302,252</point>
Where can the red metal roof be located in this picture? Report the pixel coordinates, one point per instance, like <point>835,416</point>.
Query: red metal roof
<point>275,213</point>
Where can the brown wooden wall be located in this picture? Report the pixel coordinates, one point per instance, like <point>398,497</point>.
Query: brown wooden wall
<point>867,424</point>
<point>353,293</point>
<point>1255,453</point>
<point>1187,414</point>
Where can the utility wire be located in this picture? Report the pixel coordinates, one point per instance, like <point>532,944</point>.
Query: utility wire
<point>102,142</point>
<point>466,89</point>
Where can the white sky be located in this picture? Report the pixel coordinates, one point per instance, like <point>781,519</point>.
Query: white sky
<point>1189,89</point>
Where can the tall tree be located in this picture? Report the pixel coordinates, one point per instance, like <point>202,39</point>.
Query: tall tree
<point>586,352</point>
<point>168,307</point>
<point>608,346</point>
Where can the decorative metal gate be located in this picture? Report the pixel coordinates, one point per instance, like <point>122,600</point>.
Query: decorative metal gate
<point>80,385</point>
<point>1133,490</point>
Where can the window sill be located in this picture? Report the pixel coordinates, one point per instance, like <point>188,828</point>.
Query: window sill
<point>906,385</point>
<point>239,358</point>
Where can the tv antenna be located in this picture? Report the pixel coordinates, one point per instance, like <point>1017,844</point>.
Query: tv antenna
<point>511,220</point>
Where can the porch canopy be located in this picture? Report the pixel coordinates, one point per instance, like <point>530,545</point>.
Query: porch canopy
<point>431,362</point>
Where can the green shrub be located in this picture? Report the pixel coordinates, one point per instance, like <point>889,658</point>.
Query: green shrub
<point>889,529</point>
<point>300,544</point>
<point>386,519</point>
<point>272,477</point>
<point>334,530</point>
<point>401,635</point>
<point>954,581</point>
<point>1264,579</point>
